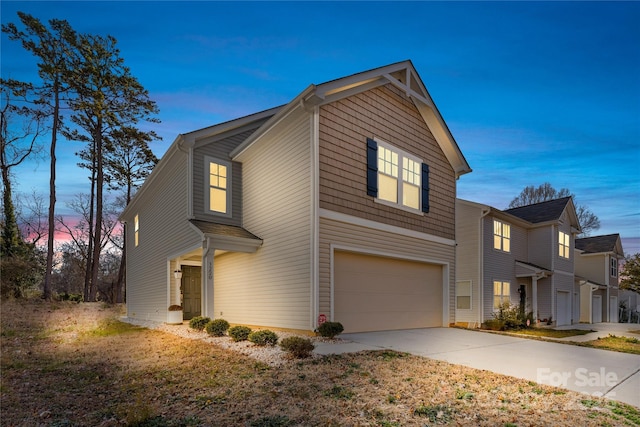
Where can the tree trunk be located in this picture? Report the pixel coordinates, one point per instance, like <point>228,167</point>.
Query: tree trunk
<point>11,238</point>
<point>88,286</point>
<point>98,228</point>
<point>46,293</point>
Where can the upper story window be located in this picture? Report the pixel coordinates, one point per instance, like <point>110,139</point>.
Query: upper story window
<point>501,236</point>
<point>136,230</point>
<point>218,186</point>
<point>614,267</point>
<point>397,178</point>
<point>563,244</point>
<point>501,293</point>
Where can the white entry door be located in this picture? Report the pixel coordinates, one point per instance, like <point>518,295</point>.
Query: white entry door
<point>563,308</point>
<point>596,309</point>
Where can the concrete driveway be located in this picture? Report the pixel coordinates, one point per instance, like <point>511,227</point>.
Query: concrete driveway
<point>592,371</point>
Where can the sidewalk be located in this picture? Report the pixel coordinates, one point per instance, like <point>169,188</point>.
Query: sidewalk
<point>602,330</point>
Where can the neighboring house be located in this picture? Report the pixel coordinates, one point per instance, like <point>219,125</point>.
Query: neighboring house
<point>338,205</point>
<point>597,260</point>
<point>506,255</point>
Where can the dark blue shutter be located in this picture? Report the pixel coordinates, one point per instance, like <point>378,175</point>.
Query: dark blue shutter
<point>425,188</point>
<point>372,167</point>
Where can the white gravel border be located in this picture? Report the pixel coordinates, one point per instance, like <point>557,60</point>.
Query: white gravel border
<point>270,355</point>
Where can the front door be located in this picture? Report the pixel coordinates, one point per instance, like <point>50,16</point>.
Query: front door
<point>191,291</point>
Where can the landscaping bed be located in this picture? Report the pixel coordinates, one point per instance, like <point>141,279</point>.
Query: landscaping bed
<point>67,364</point>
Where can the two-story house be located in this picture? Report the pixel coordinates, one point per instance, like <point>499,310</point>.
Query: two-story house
<point>596,263</point>
<point>339,205</point>
<point>521,254</point>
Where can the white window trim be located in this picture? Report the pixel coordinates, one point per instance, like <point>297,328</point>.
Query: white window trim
<point>401,155</point>
<point>502,238</point>
<point>566,248</point>
<point>470,295</point>
<point>502,295</point>
<point>207,161</point>
<point>613,267</point>
<point>136,231</point>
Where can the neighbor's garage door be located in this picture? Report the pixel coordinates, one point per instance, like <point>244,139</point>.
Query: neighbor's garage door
<point>374,293</point>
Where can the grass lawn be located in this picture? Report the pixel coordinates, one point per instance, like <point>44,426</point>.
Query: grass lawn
<point>616,343</point>
<point>67,364</point>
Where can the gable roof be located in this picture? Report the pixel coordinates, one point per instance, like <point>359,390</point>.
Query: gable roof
<point>402,75</point>
<point>598,244</point>
<point>550,210</point>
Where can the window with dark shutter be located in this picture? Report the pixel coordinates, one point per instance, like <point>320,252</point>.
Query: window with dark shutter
<point>372,168</point>
<point>425,188</point>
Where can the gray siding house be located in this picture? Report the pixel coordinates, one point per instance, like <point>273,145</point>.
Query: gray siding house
<point>506,255</point>
<point>339,205</point>
<point>597,259</point>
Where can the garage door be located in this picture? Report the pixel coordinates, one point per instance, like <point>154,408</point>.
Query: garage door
<point>374,293</point>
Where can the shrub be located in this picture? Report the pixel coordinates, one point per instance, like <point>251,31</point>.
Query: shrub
<point>297,347</point>
<point>175,307</point>
<point>199,322</point>
<point>264,337</point>
<point>494,324</point>
<point>509,317</point>
<point>330,329</point>
<point>217,327</point>
<point>239,333</point>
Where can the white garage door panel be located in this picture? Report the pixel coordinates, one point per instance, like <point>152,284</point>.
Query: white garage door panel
<point>374,293</point>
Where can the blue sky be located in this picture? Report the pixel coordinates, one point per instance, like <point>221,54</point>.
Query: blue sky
<point>533,92</point>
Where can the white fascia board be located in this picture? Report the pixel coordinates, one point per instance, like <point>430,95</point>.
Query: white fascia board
<point>279,116</point>
<point>228,126</point>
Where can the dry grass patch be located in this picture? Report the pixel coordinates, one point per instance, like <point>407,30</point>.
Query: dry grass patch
<point>551,333</point>
<point>616,343</point>
<point>73,364</point>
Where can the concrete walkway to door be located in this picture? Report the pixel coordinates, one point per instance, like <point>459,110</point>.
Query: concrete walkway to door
<point>593,371</point>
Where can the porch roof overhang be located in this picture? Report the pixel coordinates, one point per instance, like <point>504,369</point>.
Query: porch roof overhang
<point>227,237</point>
<point>586,282</point>
<point>525,269</point>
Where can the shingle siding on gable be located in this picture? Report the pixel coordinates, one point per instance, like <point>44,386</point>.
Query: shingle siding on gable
<point>219,150</point>
<point>385,113</point>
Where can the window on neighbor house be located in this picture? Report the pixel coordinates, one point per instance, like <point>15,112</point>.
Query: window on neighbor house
<point>563,244</point>
<point>501,293</point>
<point>501,236</point>
<point>136,230</point>
<point>463,295</point>
<point>614,267</point>
<point>218,186</point>
<point>397,178</point>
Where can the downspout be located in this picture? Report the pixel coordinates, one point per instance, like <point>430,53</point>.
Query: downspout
<point>204,306</point>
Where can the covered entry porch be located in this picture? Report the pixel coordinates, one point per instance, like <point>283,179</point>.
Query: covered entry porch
<point>190,283</point>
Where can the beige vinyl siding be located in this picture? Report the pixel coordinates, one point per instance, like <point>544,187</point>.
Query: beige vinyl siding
<point>593,267</point>
<point>499,265</point>
<point>545,297</point>
<point>164,231</point>
<point>218,150</point>
<point>564,264</point>
<point>541,246</point>
<point>374,241</point>
<point>388,114</point>
<point>468,239</point>
<point>272,287</point>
